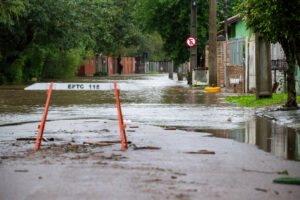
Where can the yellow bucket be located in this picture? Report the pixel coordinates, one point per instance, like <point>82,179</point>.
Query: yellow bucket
<point>212,89</point>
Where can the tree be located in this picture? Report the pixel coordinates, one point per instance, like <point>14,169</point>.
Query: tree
<point>41,38</point>
<point>171,19</point>
<point>11,9</point>
<point>277,21</point>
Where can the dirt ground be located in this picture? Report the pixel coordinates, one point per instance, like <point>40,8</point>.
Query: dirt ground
<point>66,168</point>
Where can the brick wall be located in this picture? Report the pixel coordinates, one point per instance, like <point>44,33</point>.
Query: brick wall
<point>220,60</point>
<point>220,63</point>
<point>235,78</point>
<point>235,75</point>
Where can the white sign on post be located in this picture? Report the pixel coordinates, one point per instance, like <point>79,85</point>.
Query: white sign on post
<point>82,86</point>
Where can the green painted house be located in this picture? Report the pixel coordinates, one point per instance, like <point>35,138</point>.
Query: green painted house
<point>238,29</point>
<point>241,53</point>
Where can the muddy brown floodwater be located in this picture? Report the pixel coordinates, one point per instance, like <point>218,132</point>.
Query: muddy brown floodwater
<point>159,101</point>
<point>166,115</point>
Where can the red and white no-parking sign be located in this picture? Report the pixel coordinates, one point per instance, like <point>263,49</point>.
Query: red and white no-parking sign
<point>191,41</point>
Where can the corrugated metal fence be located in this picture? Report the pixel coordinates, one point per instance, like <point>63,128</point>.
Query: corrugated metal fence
<point>106,64</point>
<point>236,51</point>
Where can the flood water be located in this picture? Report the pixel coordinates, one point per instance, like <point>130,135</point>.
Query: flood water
<point>157,101</point>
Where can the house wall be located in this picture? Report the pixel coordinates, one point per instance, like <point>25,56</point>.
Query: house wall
<point>235,75</point>
<point>235,78</point>
<point>235,67</point>
<point>241,30</point>
<point>277,55</point>
<point>238,30</point>
<point>220,61</point>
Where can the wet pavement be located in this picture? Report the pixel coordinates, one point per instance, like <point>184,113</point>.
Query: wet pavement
<point>203,121</point>
<point>64,168</point>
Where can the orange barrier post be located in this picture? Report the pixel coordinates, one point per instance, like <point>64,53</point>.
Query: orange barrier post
<point>42,125</point>
<point>121,123</point>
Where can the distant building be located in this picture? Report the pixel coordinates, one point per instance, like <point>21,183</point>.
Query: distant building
<point>236,70</point>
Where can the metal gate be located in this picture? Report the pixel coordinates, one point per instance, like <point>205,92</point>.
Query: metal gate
<point>236,51</point>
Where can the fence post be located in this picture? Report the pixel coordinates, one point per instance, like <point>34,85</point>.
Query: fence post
<point>170,65</point>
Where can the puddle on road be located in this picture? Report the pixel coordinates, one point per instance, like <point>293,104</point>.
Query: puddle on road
<point>278,140</point>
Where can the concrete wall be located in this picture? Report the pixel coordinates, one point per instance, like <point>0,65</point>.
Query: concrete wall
<point>200,77</point>
<point>278,56</point>
<point>263,67</point>
<point>250,65</point>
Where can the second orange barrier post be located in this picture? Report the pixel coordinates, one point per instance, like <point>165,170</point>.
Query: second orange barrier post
<point>42,125</point>
<point>121,122</point>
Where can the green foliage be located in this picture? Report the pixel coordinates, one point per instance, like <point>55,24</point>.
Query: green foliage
<point>153,72</point>
<point>38,37</point>
<point>10,10</point>
<point>251,101</point>
<point>153,45</point>
<point>14,74</point>
<point>62,64</point>
<point>231,11</point>
<point>273,19</point>
<point>277,21</point>
<point>171,20</point>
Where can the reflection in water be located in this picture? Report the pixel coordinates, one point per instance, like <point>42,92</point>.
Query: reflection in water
<point>280,141</point>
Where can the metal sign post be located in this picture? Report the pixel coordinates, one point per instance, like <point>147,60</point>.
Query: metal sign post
<point>79,86</point>
<point>42,125</point>
<point>193,32</point>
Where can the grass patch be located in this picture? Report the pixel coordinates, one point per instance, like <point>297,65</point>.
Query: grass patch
<point>251,101</point>
<point>153,72</point>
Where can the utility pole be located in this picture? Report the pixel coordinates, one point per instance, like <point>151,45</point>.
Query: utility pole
<point>212,58</point>
<point>226,36</point>
<point>193,50</point>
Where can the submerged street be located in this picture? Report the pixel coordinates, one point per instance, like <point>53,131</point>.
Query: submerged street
<point>179,120</point>
<point>149,100</point>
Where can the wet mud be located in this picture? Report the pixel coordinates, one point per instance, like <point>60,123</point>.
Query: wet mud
<point>72,164</point>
